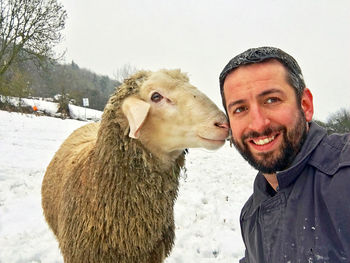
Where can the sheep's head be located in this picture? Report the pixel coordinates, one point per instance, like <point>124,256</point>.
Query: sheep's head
<point>168,114</point>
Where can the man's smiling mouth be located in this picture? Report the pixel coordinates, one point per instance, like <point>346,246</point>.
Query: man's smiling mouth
<point>263,141</point>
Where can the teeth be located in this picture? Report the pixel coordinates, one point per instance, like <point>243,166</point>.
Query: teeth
<point>264,141</point>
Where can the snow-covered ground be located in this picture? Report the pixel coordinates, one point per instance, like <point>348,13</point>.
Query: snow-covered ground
<point>50,108</point>
<point>207,210</point>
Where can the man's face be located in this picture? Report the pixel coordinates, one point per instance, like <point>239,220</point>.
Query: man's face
<point>268,124</point>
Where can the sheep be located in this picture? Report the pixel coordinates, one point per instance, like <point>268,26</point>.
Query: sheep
<point>108,193</point>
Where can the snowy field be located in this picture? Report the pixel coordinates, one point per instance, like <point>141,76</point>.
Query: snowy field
<point>210,198</point>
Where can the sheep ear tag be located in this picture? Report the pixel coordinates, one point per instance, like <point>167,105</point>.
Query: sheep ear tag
<point>136,111</point>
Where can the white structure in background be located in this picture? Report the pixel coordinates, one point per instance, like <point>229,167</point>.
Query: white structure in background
<point>86,102</point>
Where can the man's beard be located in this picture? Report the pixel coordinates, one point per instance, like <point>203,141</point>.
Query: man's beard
<point>269,162</point>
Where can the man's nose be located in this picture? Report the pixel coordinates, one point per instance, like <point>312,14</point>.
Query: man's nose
<point>258,119</point>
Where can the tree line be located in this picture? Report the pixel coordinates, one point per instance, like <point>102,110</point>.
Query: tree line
<point>338,122</point>
<point>29,30</point>
<point>68,80</point>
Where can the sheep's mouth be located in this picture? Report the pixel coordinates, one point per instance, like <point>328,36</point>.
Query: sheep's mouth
<point>211,143</point>
<point>215,141</point>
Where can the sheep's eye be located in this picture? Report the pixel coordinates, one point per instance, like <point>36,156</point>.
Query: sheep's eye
<point>156,97</point>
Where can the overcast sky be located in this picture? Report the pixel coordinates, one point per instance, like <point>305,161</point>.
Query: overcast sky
<point>201,36</point>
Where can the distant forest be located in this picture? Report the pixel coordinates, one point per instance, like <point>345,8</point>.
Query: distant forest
<point>27,79</point>
<point>72,83</point>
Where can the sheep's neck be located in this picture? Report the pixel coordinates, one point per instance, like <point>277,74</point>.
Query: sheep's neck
<point>114,148</point>
<point>166,158</point>
<point>129,190</point>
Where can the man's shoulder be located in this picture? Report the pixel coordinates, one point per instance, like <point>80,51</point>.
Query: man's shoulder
<point>332,153</point>
<point>338,141</point>
<point>246,210</point>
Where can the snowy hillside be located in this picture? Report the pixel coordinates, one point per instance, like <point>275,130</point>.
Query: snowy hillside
<point>50,108</point>
<point>206,212</point>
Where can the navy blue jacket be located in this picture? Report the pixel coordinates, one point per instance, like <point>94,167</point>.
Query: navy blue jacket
<point>308,219</point>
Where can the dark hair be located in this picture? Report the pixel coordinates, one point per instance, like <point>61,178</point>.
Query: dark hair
<point>263,54</point>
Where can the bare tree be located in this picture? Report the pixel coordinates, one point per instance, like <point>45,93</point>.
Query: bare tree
<point>29,30</point>
<point>124,72</point>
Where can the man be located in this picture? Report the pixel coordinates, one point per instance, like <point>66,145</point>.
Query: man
<point>300,208</point>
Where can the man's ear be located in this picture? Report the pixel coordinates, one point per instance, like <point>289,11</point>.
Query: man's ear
<point>307,104</point>
<point>136,111</point>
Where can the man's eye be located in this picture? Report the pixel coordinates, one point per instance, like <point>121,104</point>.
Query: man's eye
<point>272,100</point>
<point>240,110</point>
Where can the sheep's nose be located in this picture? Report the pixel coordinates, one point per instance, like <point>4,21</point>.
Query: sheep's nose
<point>224,125</point>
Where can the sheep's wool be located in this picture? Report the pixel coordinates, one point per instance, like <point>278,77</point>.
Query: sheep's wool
<point>106,197</point>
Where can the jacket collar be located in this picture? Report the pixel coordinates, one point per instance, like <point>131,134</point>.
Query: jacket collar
<point>313,139</point>
<point>337,147</point>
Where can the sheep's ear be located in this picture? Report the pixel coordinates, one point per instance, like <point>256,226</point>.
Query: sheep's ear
<point>136,111</point>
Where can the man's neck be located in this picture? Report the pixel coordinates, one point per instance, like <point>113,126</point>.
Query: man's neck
<point>272,180</point>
